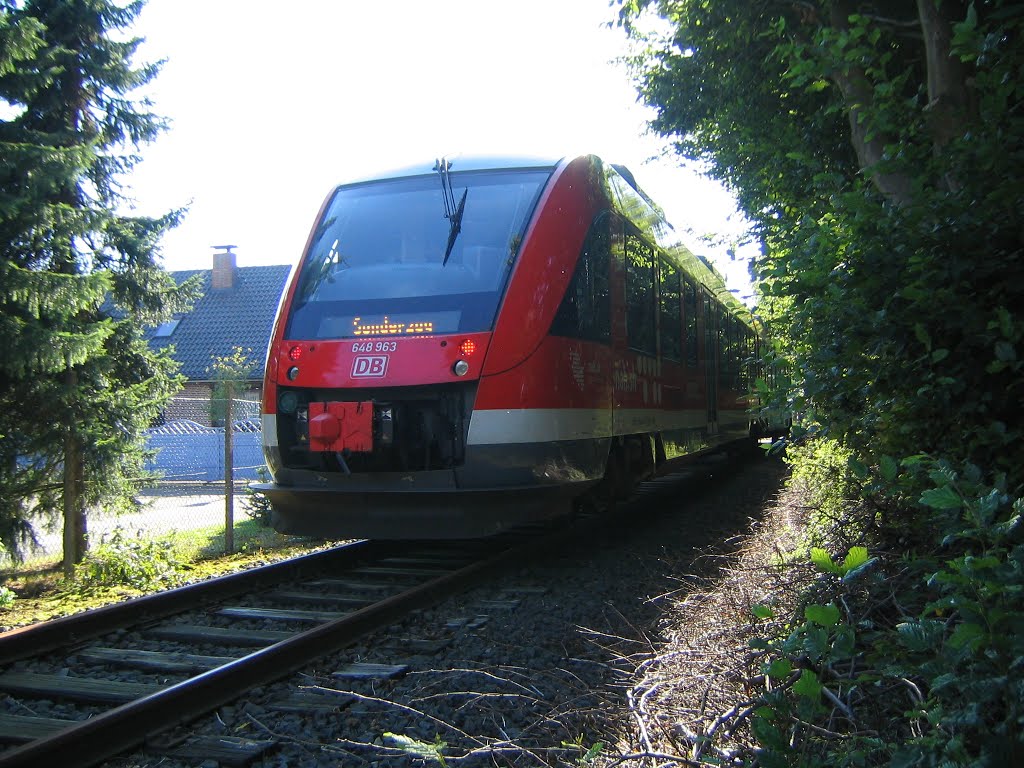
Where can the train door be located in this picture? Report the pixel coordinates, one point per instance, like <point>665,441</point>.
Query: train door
<point>710,362</point>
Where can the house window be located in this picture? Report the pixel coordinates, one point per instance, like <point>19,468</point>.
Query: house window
<point>166,329</point>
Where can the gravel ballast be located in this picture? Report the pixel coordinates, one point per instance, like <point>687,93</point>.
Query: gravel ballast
<point>535,667</point>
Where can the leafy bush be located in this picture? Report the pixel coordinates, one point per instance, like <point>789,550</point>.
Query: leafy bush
<point>823,468</point>
<point>880,162</point>
<point>912,659</point>
<point>255,504</point>
<point>125,560</point>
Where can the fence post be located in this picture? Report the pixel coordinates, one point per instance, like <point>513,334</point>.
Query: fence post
<point>229,471</point>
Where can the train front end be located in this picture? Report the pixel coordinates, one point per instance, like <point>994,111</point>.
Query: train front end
<point>377,354</point>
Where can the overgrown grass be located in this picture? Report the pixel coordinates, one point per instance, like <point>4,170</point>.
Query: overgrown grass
<point>821,470</point>
<point>128,564</point>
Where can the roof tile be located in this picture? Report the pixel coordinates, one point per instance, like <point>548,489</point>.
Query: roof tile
<point>222,319</point>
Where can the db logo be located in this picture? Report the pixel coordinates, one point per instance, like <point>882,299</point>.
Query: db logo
<point>369,366</point>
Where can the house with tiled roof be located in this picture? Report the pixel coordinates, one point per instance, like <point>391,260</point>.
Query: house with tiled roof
<point>235,309</point>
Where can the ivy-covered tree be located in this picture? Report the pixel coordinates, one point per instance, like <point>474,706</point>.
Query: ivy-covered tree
<point>79,278</point>
<point>878,147</point>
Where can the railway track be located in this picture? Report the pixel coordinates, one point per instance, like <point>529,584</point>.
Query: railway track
<point>252,628</point>
<point>196,648</point>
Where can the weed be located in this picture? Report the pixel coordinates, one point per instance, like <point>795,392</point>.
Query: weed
<point>130,560</point>
<point>586,755</point>
<point>256,504</point>
<point>425,750</point>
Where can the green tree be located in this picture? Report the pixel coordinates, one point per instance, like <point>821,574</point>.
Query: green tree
<point>79,279</point>
<point>877,147</point>
<point>232,374</point>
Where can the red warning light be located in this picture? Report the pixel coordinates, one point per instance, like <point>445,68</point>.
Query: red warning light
<point>467,347</point>
<point>295,353</point>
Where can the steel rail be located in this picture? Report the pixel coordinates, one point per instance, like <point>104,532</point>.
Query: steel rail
<point>117,730</point>
<point>32,640</point>
<point>90,741</point>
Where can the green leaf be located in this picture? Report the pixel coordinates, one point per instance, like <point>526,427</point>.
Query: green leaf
<point>822,615</point>
<point>922,635</point>
<point>418,748</point>
<point>808,685</point>
<point>855,558</point>
<point>1005,322</point>
<point>823,561</point>
<point>888,467</point>
<point>984,509</point>
<point>767,734</point>
<point>762,611</point>
<point>855,573</point>
<point>779,669</point>
<point>859,469</point>
<point>815,643</point>
<point>969,635</point>
<point>923,336</point>
<point>941,498</point>
<point>844,643</point>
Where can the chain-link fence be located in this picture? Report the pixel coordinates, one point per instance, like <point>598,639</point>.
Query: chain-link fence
<point>192,499</point>
<point>190,447</point>
<point>204,458</point>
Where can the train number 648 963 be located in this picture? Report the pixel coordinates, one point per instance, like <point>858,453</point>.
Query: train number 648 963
<point>375,346</point>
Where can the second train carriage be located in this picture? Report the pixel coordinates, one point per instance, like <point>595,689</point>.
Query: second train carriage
<point>471,345</point>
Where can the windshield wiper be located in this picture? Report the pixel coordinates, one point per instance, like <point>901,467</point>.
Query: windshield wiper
<point>452,212</point>
<point>456,226</point>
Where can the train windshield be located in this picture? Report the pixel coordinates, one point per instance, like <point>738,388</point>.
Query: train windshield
<point>377,266</point>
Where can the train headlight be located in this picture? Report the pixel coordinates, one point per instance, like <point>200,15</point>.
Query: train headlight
<point>288,402</point>
<point>293,373</point>
<point>461,368</point>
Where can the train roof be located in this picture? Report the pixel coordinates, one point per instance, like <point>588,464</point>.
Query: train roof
<point>465,163</point>
<point>651,217</point>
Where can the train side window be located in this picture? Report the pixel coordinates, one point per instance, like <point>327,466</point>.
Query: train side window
<point>728,357</point>
<point>690,317</point>
<point>731,358</point>
<point>735,350</point>
<point>585,311</point>
<point>747,363</point>
<point>640,323</point>
<point>711,346</point>
<point>670,330</point>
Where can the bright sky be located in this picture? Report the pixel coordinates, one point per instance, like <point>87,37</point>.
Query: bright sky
<point>272,104</point>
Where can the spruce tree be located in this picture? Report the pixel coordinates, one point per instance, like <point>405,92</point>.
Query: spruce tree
<point>79,278</point>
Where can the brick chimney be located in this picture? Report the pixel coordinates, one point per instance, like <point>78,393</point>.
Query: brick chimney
<point>223,267</point>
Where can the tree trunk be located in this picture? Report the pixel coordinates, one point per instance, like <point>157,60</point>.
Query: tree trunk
<point>949,102</point>
<point>81,517</point>
<point>858,96</point>
<point>72,501</point>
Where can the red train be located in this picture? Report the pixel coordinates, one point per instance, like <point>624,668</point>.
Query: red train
<point>473,345</point>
